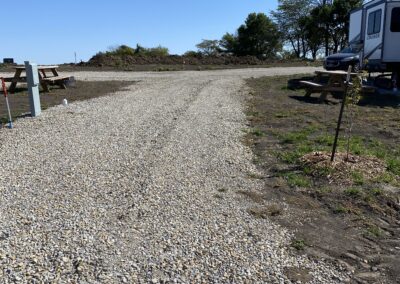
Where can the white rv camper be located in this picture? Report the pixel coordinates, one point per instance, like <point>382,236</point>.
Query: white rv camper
<point>376,28</point>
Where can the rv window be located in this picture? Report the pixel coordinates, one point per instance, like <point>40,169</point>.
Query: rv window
<point>374,22</point>
<point>395,24</point>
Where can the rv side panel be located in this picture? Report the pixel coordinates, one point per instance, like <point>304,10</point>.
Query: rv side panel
<point>373,34</point>
<point>391,44</point>
<point>355,26</point>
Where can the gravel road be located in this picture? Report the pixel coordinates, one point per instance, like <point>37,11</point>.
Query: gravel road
<point>141,186</point>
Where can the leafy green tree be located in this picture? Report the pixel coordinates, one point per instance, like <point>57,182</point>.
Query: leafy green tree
<point>209,47</point>
<point>312,35</point>
<point>259,36</point>
<point>288,17</point>
<point>229,43</point>
<point>157,51</point>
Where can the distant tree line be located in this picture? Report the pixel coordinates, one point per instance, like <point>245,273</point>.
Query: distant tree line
<point>297,29</point>
<point>124,50</point>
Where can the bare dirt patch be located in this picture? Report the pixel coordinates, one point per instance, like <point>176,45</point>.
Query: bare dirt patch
<point>348,211</point>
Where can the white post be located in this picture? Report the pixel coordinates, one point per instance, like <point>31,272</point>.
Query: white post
<point>32,77</point>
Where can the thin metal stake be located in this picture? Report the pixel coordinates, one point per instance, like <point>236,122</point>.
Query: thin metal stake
<point>3,84</point>
<point>341,113</point>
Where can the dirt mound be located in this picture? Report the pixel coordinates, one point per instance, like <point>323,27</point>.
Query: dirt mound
<point>109,60</point>
<point>343,169</point>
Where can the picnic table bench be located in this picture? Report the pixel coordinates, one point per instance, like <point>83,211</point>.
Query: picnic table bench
<point>45,78</point>
<point>336,83</point>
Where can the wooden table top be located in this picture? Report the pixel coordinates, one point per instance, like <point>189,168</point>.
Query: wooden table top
<point>40,67</point>
<point>335,72</point>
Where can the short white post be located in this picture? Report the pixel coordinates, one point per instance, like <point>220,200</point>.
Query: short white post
<point>32,77</point>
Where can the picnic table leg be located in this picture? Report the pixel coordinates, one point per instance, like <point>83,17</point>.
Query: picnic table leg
<point>59,83</point>
<point>45,86</point>
<point>323,96</point>
<point>317,79</point>
<point>43,83</point>
<point>17,76</point>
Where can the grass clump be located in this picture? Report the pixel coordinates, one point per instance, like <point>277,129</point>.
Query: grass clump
<point>298,244</point>
<point>340,209</point>
<point>297,180</point>
<point>358,178</point>
<point>353,192</point>
<point>257,132</point>
<point>374,231</point>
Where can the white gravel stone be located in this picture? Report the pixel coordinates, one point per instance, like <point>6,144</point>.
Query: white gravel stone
<point>121,189</point>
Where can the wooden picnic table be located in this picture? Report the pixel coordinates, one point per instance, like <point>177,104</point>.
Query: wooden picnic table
<point>336,83</point>
<point>48,75</point>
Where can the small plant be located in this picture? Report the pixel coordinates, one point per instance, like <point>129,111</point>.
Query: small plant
<point>258,212</point>
<point>298,244</point>
<point>354,96</point>
<point>255,176</point>
<point>257,132</point>
<point>222,190</point>
<point>374,231</point>
<point>387,178</point>
<point>358,178</point>
<point>297,180</point>
<point>340,209</point>
<point>353,192</point>
<point>393,166</point>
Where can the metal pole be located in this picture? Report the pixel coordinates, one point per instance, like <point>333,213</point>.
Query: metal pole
<point>32,77</point>
<point>10,125</point>
<point>341,114</point>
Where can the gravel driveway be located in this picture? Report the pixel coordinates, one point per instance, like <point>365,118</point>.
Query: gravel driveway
<point>140,187</point>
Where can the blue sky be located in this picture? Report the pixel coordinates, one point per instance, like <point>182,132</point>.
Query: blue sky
<point>48,31</point>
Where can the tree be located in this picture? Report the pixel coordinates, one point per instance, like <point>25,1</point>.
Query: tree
<point>288,17</point>
<point>259,36</point>
<point>209,47</point>
<point>312,35</point>
<point>229,43</point>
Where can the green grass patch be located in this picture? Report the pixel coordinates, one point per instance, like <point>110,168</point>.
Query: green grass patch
<point>393,165</point>
<point>353,192</point>
<point>358,178</point>
<point>340,209</point>
<point>257,132</point>
<point>297,180</point>
<point>374,231</point>
<point>298,244</point>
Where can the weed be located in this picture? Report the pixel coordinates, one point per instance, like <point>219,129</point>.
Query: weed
<point>274,210</point>
<point>282,114</point>
<point>297,180</point>
<point>387,178</point>
<point>340,209</point>
<point>374,231</point>
<point>358,178</point>
<point>257,132</point>
<point>223,189</point>
<point>376,191</point>
<point>298,244</point>
<point>353,192</point>
<point>393,166</point>
<point>265,212</point>
<point>253,195</point>
<point>258,212</point>
<point>253,113</point>
<point>255,176</point>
